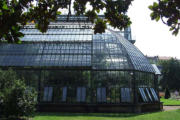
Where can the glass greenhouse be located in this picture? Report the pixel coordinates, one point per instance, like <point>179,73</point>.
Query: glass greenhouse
<point>74,69</point>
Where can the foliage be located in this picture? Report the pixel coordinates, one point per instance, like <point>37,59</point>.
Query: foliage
<point>170,74</point>
<point>100,26</point>
<point>167,93</point>
<point>16,98</point>
<point>167,115</point>
<point>16,13</point>
<point>169,12</point>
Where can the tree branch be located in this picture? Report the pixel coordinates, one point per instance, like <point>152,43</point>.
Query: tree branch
<point>69,13</point>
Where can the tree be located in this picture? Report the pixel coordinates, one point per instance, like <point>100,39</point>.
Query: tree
<point>17,13</point>
<point>167,93</point>
<point>16,99</point>
<point>170,74</point>
<point>169,12</point>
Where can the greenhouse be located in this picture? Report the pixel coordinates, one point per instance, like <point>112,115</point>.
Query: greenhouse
<point>75,70</point>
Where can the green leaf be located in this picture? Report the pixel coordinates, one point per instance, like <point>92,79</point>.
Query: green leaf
<point>157,18</point>
<point>155,4</point>
<point>12,10</point>
<point>58,13</point>
<point>1,12</point>
<point>100,26</point>
<point>36,25</point>
<point>172,28</point>
<point>175,32</point>
<point>13,28</point>
<point>20,34</point>
<point>152,16</point>
<point>98,11</point>
<point>5,7</point>
<point>19,42</point>
<point>150,7</point>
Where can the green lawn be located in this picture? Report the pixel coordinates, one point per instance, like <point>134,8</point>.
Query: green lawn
<point>170,101</point>
<point>167,115</point>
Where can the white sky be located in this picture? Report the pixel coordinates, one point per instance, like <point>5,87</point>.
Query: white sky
<point>152,38</point>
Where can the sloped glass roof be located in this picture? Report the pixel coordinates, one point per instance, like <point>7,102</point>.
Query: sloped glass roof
<point>73,45</point>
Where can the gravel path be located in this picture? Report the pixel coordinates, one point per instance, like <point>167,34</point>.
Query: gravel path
<point>166,108</point>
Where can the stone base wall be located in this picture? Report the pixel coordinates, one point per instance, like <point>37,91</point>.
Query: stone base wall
<point>99,108</point>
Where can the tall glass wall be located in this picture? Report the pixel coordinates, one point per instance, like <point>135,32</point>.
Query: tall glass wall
<point>87,86</point>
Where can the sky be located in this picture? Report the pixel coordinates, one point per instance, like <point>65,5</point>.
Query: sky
<point>152,38</point>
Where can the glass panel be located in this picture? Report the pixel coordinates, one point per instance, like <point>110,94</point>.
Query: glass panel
<point>81,94</point>
<point>48,94</point>
<point>101,94</point>
<point>139,61</point>
<point>154,94</point>
<point>149,95</point>
<point>45,96</point>
<point>143,95</point>
<point>64,94</point>
<point>125,95</point>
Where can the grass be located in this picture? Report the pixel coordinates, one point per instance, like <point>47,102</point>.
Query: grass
<point>170,101</point>
<point>167,115</point>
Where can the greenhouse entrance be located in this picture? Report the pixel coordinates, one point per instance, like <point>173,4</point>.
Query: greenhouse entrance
<point>75,70</point>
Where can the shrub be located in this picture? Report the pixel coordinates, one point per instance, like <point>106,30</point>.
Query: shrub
<point>167,93</point>
<point>16,98</point>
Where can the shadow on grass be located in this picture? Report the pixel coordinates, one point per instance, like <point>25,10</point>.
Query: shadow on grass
<point>123,115</point>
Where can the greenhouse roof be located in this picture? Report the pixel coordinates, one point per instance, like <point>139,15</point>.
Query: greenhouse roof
<point>73,44</point>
